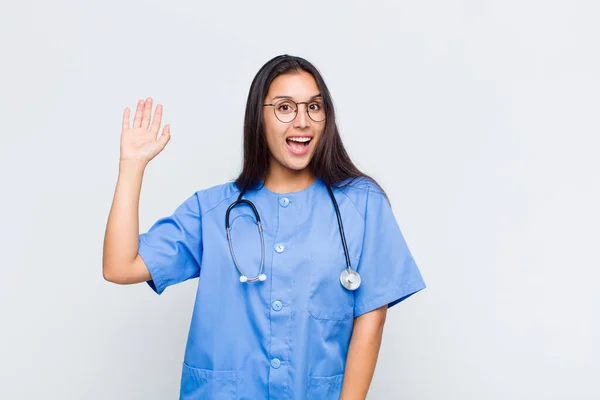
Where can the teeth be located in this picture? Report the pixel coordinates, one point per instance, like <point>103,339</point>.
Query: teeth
<point>301,140</point>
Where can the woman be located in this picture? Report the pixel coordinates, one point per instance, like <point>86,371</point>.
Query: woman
<point>279,313</point>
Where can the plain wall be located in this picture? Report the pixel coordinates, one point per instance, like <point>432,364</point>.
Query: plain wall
<point>479,118</point>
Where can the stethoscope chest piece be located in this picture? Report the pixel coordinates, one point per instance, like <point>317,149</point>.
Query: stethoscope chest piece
<point>350,279</point>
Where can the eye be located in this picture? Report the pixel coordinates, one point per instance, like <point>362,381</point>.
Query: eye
<point>314,106</point>
<point>285,107</point>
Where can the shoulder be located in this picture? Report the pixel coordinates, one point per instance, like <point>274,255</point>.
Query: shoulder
<point>211,197</point>
<point>360,184</point>
<point>359,190</point>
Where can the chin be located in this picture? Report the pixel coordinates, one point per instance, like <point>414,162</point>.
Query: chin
<point>297,167</point>
<point>296,164</point>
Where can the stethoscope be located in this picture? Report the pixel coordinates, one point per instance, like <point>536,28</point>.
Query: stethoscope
<point>349,278</point>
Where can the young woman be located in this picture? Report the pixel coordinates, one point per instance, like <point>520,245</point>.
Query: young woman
<point>298,259</point>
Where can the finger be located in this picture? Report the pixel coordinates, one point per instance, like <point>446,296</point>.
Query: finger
<point>126,118</point>
<point>164,137</point>
<point>157,120</point>
<point>147,113</point>
<point>137,120</point>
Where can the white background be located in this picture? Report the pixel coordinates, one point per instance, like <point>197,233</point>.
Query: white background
<point>479,118</point>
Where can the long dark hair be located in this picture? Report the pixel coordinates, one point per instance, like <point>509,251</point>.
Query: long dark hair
<point>330,161</point>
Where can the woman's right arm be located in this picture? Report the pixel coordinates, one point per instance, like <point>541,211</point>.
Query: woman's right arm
<point>121,262</point>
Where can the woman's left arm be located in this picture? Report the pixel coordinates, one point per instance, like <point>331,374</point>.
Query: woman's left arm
<point>362,354</point>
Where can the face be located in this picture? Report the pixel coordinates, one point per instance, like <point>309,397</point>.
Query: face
<point>293,144</point>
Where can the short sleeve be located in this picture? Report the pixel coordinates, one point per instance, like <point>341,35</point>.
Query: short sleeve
<point>388,271</point>
<point>172,247</point>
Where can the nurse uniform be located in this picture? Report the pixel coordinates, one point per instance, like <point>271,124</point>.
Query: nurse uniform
<point>286,337</point>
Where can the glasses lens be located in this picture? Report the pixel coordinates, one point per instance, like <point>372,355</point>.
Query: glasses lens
<point>285,110</point>
<point>316,111</point>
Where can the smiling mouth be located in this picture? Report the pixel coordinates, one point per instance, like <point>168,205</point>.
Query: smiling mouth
<point>298,143</point>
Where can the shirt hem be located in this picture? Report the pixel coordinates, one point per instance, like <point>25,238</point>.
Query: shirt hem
<point>391,298</point>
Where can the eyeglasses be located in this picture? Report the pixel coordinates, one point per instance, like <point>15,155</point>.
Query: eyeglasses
<point>286,110</point>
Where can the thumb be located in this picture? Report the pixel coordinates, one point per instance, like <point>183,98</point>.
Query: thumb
<point>165,136</point>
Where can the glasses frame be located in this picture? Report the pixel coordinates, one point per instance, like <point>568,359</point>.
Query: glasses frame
<point>295,112</point>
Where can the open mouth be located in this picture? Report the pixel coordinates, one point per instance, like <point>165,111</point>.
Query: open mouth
<point>298,144</point>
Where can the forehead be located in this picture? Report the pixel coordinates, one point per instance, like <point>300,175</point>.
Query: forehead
<point>299,86</point>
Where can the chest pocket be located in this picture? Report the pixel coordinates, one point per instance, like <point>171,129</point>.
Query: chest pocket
<point>328,299</point>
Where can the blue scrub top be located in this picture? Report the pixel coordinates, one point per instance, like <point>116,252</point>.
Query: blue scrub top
<point>286,337</point>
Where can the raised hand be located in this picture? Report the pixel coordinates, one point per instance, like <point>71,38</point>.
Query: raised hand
<point>140,142</point>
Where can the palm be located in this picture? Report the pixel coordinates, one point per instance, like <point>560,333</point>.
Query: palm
<point>139,142</point>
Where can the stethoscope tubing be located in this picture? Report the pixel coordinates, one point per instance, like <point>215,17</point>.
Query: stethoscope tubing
<point>260,230</point>
<point>349,278</point>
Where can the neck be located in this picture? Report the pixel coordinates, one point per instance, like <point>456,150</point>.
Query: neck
<point>284,180</point>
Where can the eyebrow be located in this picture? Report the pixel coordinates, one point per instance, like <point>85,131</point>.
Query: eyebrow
<point>290,97</point>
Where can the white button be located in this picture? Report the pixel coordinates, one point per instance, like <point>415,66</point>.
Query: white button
<point>279,248</point>
<point>277,305</point>
<point>275,363</point>
<point>284,201</point>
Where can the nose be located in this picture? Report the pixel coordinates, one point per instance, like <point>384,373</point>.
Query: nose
<point>301,120</point>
